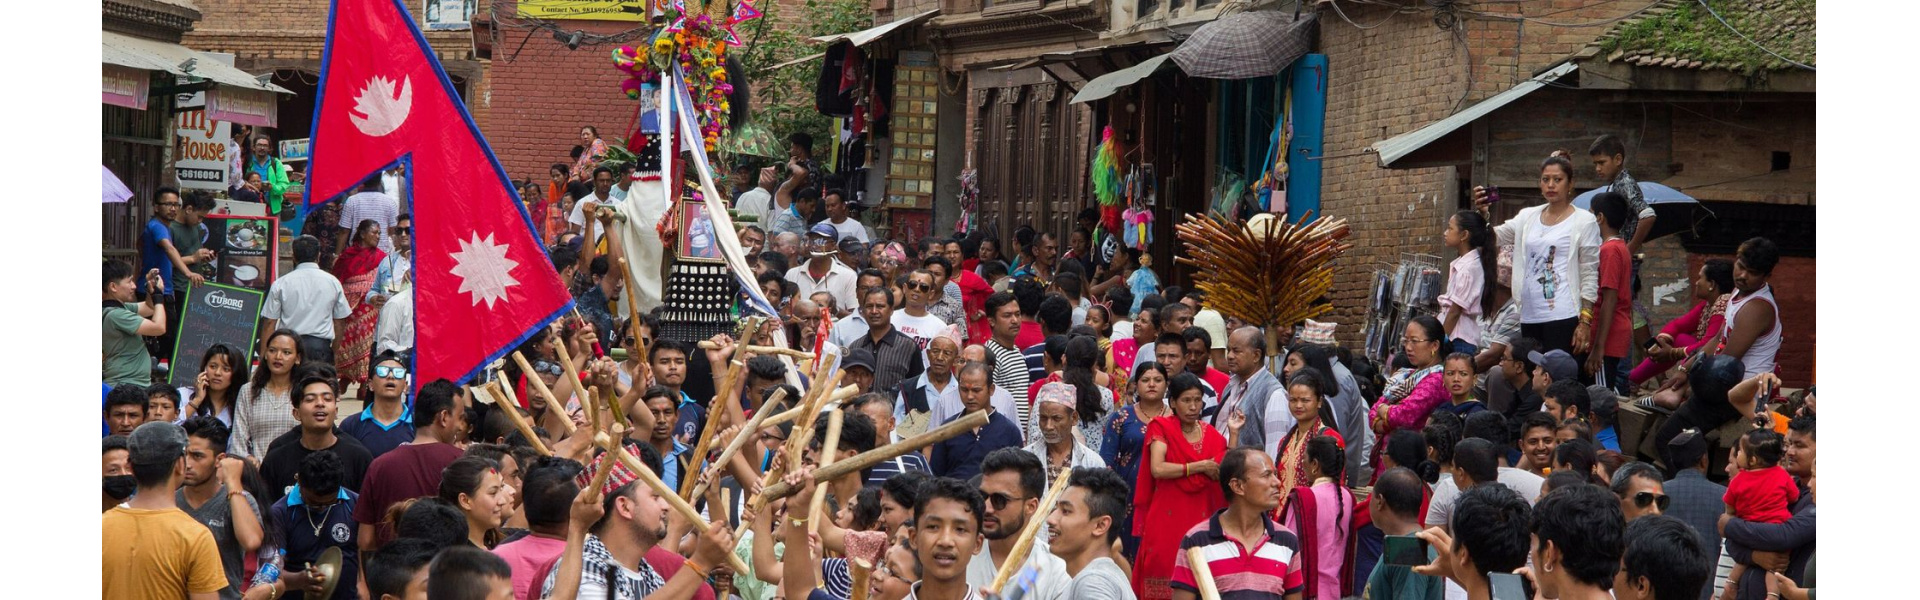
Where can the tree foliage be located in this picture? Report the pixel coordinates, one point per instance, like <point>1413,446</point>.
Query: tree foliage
<point>783,98</point>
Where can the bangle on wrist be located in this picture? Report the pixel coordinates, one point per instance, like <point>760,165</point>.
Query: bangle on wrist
<point>703,573</point>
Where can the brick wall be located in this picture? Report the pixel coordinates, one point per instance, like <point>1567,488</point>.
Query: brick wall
<point>540,95</point>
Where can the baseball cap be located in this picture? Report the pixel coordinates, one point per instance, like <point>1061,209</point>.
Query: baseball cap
<point>857,357</point>
<point>825,230</point>
<point>1557,364</point>
<point>156,443</point>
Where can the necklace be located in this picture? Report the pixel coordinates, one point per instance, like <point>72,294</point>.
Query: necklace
<point>323,520</point>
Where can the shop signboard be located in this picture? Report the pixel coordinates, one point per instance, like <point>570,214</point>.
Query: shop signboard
<point>259,108</point>
<point>587,10</point>
<point>200,146</point>
<point>123,86</point>
<point>246,250</point>
<point>451,15</point>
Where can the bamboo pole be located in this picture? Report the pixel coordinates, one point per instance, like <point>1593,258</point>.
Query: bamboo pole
<point>533,379</point>
<point>962,424</point>
<point>485,395</point>
<point>1202,574</point>
<point>795,354</point>
<point>660,487</point>
<point>1027,534</point>
<point>714,418</point>
<point>828,450</point>
<point>861,570</point>
<point>566,362</point>
<point>754,425</point>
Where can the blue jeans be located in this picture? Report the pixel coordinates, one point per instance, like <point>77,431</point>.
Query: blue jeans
<point>1461,346</point>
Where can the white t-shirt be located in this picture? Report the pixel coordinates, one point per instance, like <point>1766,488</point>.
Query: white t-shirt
<point>852,228</point>
<point>922,329</point>
<point>756,202</point>
<point>579,217</point>
<point>1548,289</point>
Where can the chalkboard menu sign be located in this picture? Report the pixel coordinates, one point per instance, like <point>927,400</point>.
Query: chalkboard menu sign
<point>246,249</point>
<point>215,314</point>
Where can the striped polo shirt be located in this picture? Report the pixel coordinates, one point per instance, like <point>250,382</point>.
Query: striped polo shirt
<point>1272,570</point>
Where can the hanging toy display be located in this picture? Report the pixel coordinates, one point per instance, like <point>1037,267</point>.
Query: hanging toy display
<point>1138,218</point>
<point>1108,186</point>
<point>969,201</point>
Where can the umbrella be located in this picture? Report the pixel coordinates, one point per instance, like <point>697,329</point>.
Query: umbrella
<point>1245,45</point>
<point>1674,211</point>
<point>111,190</point>
<point>753,139</point>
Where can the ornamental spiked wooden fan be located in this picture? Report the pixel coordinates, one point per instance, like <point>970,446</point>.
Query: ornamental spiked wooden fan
<point>1265,271</point>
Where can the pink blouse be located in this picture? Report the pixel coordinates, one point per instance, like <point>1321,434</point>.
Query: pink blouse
<point>1465,279</point>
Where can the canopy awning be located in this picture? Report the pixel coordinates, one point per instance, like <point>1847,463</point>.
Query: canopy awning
<point>1399,146</point>
<point>868,35</point>
<point>181,61</point>
<point>1108,84</point>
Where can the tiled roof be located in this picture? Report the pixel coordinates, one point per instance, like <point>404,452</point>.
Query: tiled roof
<point>1681,34</point>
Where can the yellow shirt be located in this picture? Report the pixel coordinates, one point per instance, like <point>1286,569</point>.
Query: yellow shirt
<point>157,554</point>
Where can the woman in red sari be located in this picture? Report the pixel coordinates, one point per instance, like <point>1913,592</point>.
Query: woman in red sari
<point>1178,485</point>
<point>356,269</point>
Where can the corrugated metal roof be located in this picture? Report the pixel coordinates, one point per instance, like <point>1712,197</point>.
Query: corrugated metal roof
<point>1106,85</point>
<point>1392,149</point>
<point>152,55</point>
<point>865,36</point>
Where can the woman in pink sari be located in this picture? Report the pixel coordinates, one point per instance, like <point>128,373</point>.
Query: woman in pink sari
<point>356,268</point>
<point>1178,485</point>
<point>1320,511</point>
<point>1121,353</point>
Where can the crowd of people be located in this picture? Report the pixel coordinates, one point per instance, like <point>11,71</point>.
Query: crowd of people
<point>1480,460</point>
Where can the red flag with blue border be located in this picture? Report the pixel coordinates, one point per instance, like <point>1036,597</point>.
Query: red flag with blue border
<point>482,282</point>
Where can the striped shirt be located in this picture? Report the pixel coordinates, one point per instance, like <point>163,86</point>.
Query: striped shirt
<point>1271,571</point>
<point>1010,374</point>
<point>886,469</point>
<point>895,358</point>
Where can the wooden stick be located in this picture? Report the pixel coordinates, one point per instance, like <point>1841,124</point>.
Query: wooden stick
<point>800,433</point>
<point>1202,574</point>
<point>784,417</point>
<point>660,488</point>
<point>484,395</point>
<point>795,354</point>
<point>962,424</point>
<point>860,569</point>
<point>592,409</point>
<point>711,429</point>
<point>1027,534</point>
<point>754,425</point>
<point>600,477</point>
<point>566,363</point>
<point>828,451</point>
<point>539,386</point>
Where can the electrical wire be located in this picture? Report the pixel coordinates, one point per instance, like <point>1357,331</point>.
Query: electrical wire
<point>1716,17</point>
<point>1343,15</point>
<point>1598,23</point>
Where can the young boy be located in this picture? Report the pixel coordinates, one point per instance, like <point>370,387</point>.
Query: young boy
<point>1612,318</point>
<point>1762,491</point>
<point>1458,378</point>
<point>163,403</point>
<point>1610,165</point>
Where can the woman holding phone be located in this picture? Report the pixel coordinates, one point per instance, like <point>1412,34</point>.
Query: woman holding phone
<point>1556,259</point>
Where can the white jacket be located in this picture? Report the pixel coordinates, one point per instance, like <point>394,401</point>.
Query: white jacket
<point>1586,243</point>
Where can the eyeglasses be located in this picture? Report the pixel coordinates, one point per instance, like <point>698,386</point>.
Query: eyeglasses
<point>401,231</point>
<point>916,285</point>
<point>169,204</point>
<point>390,372</point>
<point>1643,499</point>
<point>1000,500</point>
<point>1408,340</point>
<point>546,368</point>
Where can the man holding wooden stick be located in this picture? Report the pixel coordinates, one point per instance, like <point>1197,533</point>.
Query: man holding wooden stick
<point>633,519</point>
<point>1248,555</point>
<point>1014,481</point>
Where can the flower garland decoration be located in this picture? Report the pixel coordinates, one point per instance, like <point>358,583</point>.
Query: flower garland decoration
<point>696,41</point>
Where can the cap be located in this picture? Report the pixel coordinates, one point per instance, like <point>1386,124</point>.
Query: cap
<point>1557,363</point>
<point>825,230</point>
<point>1685,449</point>
<point>1317,333</point>
<point>1059,393</point>
<point>1215,325</point>
<point>857,357</point>
<point>620,476</point>
<point>156,443</point>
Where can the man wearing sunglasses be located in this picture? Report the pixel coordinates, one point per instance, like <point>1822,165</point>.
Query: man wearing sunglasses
<point>391,276</point>
<point>386,422</point>
<point>919,323</point>
<point>1014,481</point>
<point>822,273</point>
<point>412,470</point>
<point>1640,490</point>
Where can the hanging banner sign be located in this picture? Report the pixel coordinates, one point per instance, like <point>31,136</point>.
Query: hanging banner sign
<point>123,86</point>
<point>587,10</point>
<point>247,107</point>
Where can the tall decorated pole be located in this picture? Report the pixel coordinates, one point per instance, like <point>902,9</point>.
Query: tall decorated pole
<point>482,282</point>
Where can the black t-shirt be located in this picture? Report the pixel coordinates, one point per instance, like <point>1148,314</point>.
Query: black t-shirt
<point>286,452</point>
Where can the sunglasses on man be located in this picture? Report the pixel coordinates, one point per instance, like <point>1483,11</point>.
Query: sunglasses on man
<point>390,372</point>
<point>1643,499</point>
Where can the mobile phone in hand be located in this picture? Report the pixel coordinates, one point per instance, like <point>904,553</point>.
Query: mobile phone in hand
<point>1404,550</point>
<point>1508,586</point>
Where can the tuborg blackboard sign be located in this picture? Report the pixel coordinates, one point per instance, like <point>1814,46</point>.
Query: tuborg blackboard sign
<point>215,314</point>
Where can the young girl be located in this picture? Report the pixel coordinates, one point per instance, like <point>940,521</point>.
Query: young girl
<point>1469,290</point>
<point>1761,492</point>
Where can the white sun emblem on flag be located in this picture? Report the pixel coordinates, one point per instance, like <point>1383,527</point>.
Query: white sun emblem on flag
<point>484,269</point>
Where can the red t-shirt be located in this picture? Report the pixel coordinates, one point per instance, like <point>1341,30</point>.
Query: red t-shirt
<point>1216,378</point>
<point>1616,273</point>
<point>973,299</point>
<point>1029,336</point>
<point>667,564</point>
<point>408,471</point>
<point>1762,495</point>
